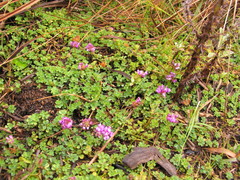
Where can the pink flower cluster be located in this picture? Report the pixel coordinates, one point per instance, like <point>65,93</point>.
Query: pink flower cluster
<point>90,47</point>
<point>75,44</point>
<point>10,139</point>
<point>172,118</point>
<point>171,77</point>
<point>86,123</point>
<point>72,178</point>
<point>142,73</point>
<point>137,102</point>
<point>163,90</point>
<point>66,123</point>
<point>82,66</point>
<point>103,131</point>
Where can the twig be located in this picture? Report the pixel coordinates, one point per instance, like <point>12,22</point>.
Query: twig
<point>126,39</point>
<point>14,117</point>
<point>27,77</point>
<point>120,72</point>
<point>4,129</point>
<point>62,94</point>
<point>105,145</point>
<point>51,136</point>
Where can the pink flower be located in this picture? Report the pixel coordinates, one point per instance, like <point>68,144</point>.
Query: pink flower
<point>176,66</point>
<point>171,77</point>
<point>72,178</point>
<point>172,118</point>
<point>137,102</point>
<point>142,73</point>
<point>66,123</point>
<point>10,139</point>
<point>163,90</point>
<point>90,47</point>
<point>103,131</point>
<point>86,123</point>
<point>74,44</point>
<point>82,66</point>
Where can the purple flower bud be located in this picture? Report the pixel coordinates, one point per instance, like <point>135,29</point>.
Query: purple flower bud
<point>138,100</point>
<point>86,123</point>
<point>163,90</point>
<point>82,66</point>
<point>176,66</point>
<point>171,77</point>
<point>172,118</point>
<point>90,47</point>
<point>74,44</point>
<point>142,73</point>
<point>10,139</point>
<point>66,123</point>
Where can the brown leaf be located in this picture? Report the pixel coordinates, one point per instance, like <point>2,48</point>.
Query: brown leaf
<point>221,151</point>
<point>143,155</point>
<point>186,102</point>
<point>76,38</point>
<point>103,64</point>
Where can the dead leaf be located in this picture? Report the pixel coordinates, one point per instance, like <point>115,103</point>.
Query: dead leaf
<point>238,155</point>
<point>103,64</point>
<point>76,38</point>
<point>143,155</point>
<point>221,151</point>
<point>186,102</point>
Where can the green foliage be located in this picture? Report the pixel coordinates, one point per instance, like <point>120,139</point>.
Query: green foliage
<point>104,92</point>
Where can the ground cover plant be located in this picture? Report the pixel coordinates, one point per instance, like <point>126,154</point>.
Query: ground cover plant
<point>85,82</point>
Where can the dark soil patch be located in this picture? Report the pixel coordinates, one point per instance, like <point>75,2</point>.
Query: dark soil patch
<point>30,100</point>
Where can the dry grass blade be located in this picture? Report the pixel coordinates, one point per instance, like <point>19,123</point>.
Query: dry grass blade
<point>17,51</point>
<point>7,2</point>
<point>65,94</point>
<point>221,151</point>
<point>127,39</point>
<point>4,129</point>
<point>18,10</point>
<point>99,12</point>
<point>235,11</point>
<point>20,48</point>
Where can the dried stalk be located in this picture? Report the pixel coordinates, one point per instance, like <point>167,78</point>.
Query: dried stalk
<point>206,30</point>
